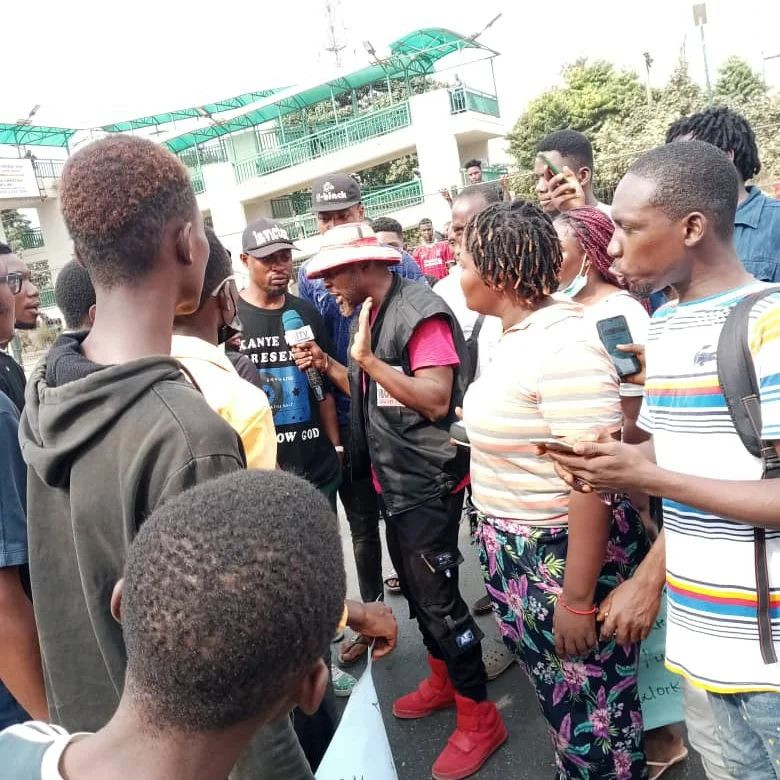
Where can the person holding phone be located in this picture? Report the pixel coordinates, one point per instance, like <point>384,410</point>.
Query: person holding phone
<point>548,556</point>
<point>586,277</point>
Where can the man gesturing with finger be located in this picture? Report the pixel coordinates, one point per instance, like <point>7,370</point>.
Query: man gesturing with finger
<point>674,215</point>
<point>407,373</point>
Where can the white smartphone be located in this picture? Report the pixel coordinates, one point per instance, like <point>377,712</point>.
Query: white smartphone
<point>554,444</point>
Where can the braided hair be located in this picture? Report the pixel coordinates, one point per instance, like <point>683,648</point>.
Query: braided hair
<point>726,129</point>
<point>593,229</point>
<point>515,249</point>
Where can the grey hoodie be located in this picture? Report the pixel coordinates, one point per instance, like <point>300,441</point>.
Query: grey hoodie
<point>104,446</point>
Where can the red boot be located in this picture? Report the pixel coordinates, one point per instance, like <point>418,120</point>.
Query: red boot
<point>479,733</point>
<point>433,693</point>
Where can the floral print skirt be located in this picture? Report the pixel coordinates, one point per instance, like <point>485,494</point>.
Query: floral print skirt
<point>591,703</point>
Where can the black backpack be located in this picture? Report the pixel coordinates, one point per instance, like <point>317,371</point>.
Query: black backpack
<point>472,346</point>
<point>737,377</point>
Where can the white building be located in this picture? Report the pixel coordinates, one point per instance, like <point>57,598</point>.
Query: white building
<point>256,154</point>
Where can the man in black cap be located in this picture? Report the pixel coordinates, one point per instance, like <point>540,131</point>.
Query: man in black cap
<point>307,429</point>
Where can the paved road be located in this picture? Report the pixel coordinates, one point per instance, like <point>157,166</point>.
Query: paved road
<point>526,756</point>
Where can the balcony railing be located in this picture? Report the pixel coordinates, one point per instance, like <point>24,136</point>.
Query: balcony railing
<point>47,297</point>
<point>384,201</point>
<point>197,181</point>
<point>467,99</point>
<point>31,239</point>
<point>48,169</point>
<point>325,142</point>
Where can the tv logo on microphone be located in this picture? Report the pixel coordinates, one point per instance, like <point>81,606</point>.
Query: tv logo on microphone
<point>299,335</point>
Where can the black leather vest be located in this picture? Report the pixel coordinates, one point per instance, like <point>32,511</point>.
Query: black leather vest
<point>413,458</point>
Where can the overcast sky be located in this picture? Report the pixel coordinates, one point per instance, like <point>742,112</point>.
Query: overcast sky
<point>86,69</point>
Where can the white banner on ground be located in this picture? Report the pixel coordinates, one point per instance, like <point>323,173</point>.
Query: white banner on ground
<point>360,749</point>
<point>17,178</point>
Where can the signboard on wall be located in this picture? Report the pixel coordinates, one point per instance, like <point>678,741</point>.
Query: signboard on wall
<point>17,179</point>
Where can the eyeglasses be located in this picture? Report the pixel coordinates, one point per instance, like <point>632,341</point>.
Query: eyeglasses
<point>219,287</point>
<point>13,280</point>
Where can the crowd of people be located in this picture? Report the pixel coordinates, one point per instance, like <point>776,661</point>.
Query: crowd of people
<point>171,575</point>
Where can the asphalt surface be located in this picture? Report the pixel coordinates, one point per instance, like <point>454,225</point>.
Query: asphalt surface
<point>527,755</point>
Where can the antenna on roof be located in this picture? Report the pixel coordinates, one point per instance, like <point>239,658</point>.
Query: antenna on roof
<point>336,42</point>
<point>486,27</point>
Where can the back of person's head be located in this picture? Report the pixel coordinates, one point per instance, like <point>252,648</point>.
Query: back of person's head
<point>724,128</point>
<point>232,593</point>
<point>487,194</point>
<point>5,249</point>
<point>387,225</point>
<point>116,195</point>
<point>571,145</point>
<point>474,163</point>
<point>694,176</point>
<point>515,249</point>
<point>74,295</point>
<point>218,267</point>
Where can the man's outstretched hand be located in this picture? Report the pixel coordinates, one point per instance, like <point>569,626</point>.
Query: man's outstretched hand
<point>375,620</point>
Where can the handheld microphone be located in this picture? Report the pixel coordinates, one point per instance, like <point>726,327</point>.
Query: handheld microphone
<point>295,332</point>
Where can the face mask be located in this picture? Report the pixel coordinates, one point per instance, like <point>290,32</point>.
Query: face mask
<point>578,283</point>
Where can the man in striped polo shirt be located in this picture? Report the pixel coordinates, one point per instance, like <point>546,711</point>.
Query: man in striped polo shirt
<point>674,216</point>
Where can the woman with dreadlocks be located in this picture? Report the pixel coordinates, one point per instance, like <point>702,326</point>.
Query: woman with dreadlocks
<point>586,277</point>
<point>549,554</point>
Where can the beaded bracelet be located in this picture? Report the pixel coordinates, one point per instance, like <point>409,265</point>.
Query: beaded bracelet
<point>592,611</point>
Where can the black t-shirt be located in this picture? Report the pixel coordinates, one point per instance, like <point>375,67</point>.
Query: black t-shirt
<point>303,446</point>
<point>12,380</point>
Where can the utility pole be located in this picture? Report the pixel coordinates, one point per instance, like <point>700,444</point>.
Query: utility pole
<point>336,42</point>
<point>700,19</point>
<point>648,65</point>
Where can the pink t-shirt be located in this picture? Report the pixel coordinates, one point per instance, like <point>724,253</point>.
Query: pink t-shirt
<point>431,345</point>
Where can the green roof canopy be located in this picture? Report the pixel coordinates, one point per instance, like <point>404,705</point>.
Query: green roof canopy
<point>33,135</point>
<point>412,55</point>
<point>239,101</point>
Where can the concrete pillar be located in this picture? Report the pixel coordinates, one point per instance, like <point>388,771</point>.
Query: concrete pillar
<point>227,211</point>
<point>437,150</point>
<point>56,241</point>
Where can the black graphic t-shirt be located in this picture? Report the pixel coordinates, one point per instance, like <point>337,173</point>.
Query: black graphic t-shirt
<point>303,446</point>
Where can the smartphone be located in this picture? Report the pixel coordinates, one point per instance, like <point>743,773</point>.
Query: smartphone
<point>554,444</point>
<point>554,168</point>
<point>613,331</point>
<point>458,433</point>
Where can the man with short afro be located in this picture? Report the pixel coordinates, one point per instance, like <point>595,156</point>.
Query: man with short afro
<point>74,295</point>
<point>112,428</point>
<point>206,666</point>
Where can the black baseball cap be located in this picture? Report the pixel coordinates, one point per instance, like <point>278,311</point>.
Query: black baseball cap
<point>263,237</point>
<point>334,192</point>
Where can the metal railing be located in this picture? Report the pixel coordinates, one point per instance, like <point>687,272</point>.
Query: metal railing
<point>377,204</point>
<point>47,297</point>
<point>325,142</point>
<point>467,99</point>
<point>48,169</point>
<point>198,184</point>
<point>31,239</point>
<point>489,173</point>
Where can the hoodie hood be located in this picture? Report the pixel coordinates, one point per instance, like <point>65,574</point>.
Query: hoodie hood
<point>70,401</point>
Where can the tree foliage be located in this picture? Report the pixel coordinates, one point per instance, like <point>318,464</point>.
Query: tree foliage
<point>14,225</point>
<point>610,106</point>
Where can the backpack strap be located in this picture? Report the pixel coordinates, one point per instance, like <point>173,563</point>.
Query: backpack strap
<point>477,327</point>
<point>737,377</point>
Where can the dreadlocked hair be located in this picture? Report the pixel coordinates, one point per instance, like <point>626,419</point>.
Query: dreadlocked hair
<point>515,249</point>
<point>726,129</point>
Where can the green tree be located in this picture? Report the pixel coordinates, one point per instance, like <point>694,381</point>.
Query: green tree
<point>14,225</point>
<point>738,83</point>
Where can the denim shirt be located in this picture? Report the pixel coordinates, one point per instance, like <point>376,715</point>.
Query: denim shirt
<point>757,235</point>
<point>338,326</point>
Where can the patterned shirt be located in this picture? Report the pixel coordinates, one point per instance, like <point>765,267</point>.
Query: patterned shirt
<point>712,631</point>
<point>564,386</point>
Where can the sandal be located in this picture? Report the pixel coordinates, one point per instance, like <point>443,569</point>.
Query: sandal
<point>663,766</point>
<point>353,649</point>
<point>392,583</point>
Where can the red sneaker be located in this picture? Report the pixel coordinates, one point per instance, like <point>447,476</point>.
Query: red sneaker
<point>433,693</point>
<point>479,733</point>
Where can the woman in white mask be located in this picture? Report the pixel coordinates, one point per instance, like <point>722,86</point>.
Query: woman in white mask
<point>586,278</point>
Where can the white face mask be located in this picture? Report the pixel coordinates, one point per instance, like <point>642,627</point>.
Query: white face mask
<point>579,282</point>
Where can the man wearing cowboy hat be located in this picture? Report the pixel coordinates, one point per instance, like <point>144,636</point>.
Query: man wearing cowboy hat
<point>408,371</point>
